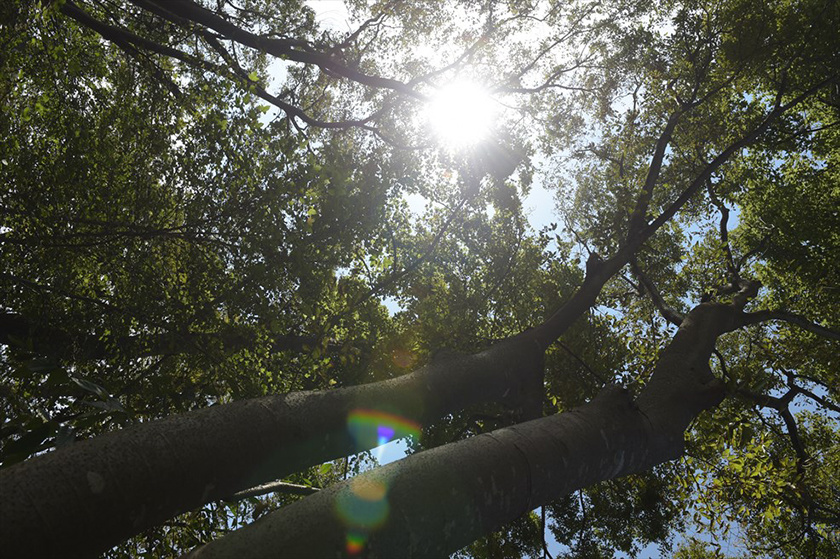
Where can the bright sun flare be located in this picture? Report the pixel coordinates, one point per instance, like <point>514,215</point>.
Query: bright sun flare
<point>460,114</point>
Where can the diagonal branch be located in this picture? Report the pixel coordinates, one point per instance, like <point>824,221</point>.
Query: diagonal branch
<point>178,10</point>
<point>537,461</point>
<point>731,266</point>
<point>637,218</point>
<point>577,358</point>
<point>792,318</point>
<point>124,38</point>
<point>732,149</point>
<point>128,41</point>
<point>600,271</point>
<point>818,399</point>
<point>668,312</point>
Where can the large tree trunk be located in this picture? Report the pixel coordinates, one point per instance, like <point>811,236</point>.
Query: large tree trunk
<point>85,498</point>
<point>435,502</point>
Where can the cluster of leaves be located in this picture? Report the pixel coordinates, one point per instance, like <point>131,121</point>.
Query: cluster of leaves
<point>165,244</point>
<point>163,251</point>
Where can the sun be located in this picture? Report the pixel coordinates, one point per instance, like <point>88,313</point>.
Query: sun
<point>460,114</point>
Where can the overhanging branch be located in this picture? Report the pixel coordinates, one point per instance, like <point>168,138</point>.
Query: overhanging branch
<point>728,152</point>
<point>508,472</point>
<point>792,318</point>
<point>178,10</point>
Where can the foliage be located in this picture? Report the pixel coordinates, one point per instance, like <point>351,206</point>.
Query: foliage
<point>179,230</point>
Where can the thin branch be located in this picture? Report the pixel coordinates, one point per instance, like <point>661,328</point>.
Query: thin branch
<point>128,40</point>
<point>176,10</point>
<point>375,20</point>
<point>722,363</point>
<point>781,405</point>
<point>582,362</point>
<point>273,487</point>
<point>638,217</point>
<point>125,38</point>
<point>669,313</point>
<point>819,399</point>
<point>546,552</point>
<point>409,268</point>
<point>724,232</point>
<point>762,245</point>
<point>795,441</point>
<point>724,155</point>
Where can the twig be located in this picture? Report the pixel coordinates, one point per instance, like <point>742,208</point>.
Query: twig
<point>582,362</point>
<point>273,487</point>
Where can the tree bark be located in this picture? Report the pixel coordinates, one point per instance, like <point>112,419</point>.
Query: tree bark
<point>83,499</point>
<point>94,494</point>
<point>441,500</point>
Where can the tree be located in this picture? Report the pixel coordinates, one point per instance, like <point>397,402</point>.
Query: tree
<point>166,247</point>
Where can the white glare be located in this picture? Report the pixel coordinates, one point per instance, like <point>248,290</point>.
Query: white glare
<point>460,114</point>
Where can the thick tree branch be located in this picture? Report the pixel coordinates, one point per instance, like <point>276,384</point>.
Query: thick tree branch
<point>765,400</point>
<point>792,318</point>
<point>487,481</point>
<point>93,494</point>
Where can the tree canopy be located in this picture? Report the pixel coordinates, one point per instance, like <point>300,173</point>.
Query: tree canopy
<point>237,253</point>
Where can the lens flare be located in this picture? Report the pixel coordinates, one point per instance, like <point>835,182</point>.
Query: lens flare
<point>355,542</point>
<point>372,428</point>
<point>385,434</point>
<point>362,505</point>
<point>402,358</point>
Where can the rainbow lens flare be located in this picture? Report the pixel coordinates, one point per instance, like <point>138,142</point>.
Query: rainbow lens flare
<point>363,504</point>
<point>385,434</point>
<point>355,542</point>
<point>372,428</point>
<point>363,507</point>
